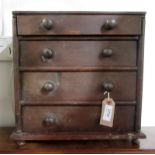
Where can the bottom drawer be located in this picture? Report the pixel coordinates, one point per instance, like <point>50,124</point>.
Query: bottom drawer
<point>75,118</point>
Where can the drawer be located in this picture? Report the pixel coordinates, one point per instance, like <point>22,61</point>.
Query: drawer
<point>75,119</point>
<point>77,86</point>
<point>78,24</point>
<point>63,54</point>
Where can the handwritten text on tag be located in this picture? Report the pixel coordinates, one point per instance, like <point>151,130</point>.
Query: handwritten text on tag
<point>107,112</point>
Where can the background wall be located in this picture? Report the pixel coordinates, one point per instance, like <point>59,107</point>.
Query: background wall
<point>148,113</point>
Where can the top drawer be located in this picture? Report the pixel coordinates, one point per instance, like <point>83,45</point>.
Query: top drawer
<point>78,24</point>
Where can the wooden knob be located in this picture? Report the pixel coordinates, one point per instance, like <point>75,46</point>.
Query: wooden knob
<point>108,86</point>
<point>47,54</point>
<point>107,52</point>
<point>49,120</point>
<point>48,86</point>
<point>46,23</point>
<point>110,24</point>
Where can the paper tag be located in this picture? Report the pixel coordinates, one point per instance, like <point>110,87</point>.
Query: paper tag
<point>107,114</point>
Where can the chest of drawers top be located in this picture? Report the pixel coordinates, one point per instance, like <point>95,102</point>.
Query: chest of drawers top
<point>78,23</point>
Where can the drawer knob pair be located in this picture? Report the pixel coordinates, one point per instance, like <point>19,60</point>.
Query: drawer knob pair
<point>110,24</point>
<point>46,23</point>
<point>47,54</point>
<point>50,86</point>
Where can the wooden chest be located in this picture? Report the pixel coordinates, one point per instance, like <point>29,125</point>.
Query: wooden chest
<point>63,63</point>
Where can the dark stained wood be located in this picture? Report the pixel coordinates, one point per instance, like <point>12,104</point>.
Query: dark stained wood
<point>70,83</point>
<point>80,38</point>
<point>17,86</point>
<point>116,146</point>
<point>77,69</point>
<point>78,53</point>
<point>78,86</point>
<point>140,61</point>
<point>78,25</point>
<point>79,12</point>
<point>73,136</point>
<point>68,119</point>
<point>66,103</point>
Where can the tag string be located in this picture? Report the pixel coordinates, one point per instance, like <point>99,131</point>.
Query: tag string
<point>108,94</point>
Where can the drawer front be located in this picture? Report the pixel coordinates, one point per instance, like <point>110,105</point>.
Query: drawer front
<point>77,86</point>
<point>75,118</point>
<point>78,24</point>
<point>63,54</point>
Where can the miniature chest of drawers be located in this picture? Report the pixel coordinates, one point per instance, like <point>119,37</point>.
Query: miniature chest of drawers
<point>63,64</point>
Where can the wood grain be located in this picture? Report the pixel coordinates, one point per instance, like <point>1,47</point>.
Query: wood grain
<point>76,73</point>
<point>78,25</point>
<point>78,54</point>
<point>78,86</point>
<point>68,119</point>
<point>116,146</point>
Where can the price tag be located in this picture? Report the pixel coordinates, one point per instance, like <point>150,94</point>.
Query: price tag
<point>107,113</point>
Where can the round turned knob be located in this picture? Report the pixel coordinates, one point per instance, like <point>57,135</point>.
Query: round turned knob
<point>108,86</point>
<point>47,54</point>
<point>107,52</point>
<point>49,120</point>
<point>46,23</point>
<point>48,86</point>
<point>110,24</point>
